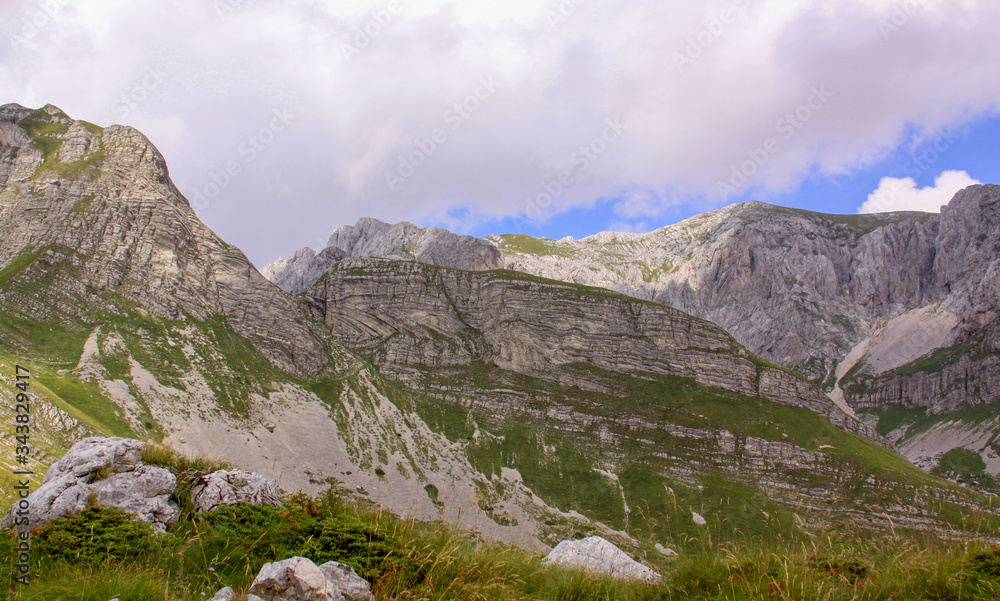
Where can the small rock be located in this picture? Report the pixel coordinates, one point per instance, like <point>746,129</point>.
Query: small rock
<point>602,557</point>
<point>665,551</point>
<point>226,594</point>
<point>270,426</point>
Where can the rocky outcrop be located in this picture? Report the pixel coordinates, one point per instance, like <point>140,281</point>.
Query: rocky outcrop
<point>110,472</point>
<point>104,217</point>
<point>407,315</point>
<point>231,487</point>
<point>107,471</point>
<point>373,238</point>
<point>299,579</point>
<point>599,556</point>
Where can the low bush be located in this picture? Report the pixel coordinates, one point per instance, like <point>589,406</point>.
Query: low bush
<point>94,536</point>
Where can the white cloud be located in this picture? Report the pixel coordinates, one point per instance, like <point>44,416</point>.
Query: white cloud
<point>559,80</point>
<point>902,194</point>
<point>643,203</point>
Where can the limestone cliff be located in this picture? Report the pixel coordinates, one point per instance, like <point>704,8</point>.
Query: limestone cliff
<point>100,202</point>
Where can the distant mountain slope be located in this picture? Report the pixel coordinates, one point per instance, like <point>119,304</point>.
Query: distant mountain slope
<point>883,310</point>
<point>613,407</point>
<point>135,319</point>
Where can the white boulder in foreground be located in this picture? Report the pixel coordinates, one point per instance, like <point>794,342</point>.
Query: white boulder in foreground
<point>597,555</point>
<point>299,579</point>
<point>111,471</point>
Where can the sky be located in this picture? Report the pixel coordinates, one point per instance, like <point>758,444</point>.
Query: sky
<point>282,120</point>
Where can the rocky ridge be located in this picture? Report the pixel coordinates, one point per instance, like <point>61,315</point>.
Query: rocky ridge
<point>374,238</point>
<point>412,314</point>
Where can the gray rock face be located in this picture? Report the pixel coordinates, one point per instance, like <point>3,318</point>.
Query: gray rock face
<point>373,238</point>
<point>597,555</point>
<point>224,594</point>
<point>409,314</point>
<point>232,487</point>
<point>299,579</point>
<point>111,212</point>
<point>110,470</point>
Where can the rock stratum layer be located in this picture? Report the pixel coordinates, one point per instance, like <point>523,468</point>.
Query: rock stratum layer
<point>409,314</point>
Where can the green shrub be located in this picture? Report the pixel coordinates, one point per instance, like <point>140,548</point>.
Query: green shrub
<point>95,535</point>
<point>851,568</point>
<point>985,563</point>
<point>349,540</point>
<point>235,536</point>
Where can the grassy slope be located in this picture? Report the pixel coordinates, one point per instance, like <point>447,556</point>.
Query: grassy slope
<point>665,477</point>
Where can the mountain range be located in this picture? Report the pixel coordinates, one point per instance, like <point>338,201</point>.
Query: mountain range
<point>894,315</point>
<point>642,387</point>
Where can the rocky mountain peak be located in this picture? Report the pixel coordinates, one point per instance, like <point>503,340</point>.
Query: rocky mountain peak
<point>373,238</point>
<point>100,201</point>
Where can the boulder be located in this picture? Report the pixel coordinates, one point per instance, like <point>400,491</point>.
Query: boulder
<point>110,471</point>
<point>232,487</point>
<point>299,579</point>
<point>600,556</point>
<point>294,579</point>
<point>347,581</point>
